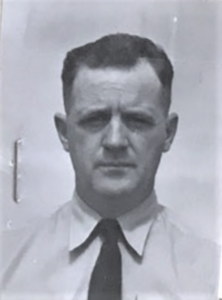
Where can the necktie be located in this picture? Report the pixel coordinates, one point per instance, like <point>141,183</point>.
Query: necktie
<point>105,282</point>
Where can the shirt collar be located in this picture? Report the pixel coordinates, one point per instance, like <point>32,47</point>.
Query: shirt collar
<point>135,224</point>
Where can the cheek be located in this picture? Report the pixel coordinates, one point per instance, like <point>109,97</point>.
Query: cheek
<point>149,144</point>
<point>83,146</point>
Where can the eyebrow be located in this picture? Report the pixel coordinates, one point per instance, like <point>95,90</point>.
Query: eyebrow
<point>149,113</point>
<point>141,115</point>
<point>92,111</point>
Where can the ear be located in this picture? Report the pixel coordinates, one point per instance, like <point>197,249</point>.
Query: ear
<point>61,127</point>
<point>171,129</point>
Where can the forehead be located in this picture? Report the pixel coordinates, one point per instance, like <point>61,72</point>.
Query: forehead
<point>138,85</point>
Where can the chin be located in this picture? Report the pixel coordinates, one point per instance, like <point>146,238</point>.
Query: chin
<point>114,190</point>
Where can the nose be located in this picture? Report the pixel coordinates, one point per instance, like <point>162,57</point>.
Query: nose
<point>115,138</point>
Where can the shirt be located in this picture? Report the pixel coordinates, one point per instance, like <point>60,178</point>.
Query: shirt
<point>40,262</point>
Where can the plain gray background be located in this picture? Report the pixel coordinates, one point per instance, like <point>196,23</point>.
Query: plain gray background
<point>35,38</point>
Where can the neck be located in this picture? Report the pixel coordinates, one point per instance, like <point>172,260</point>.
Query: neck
<point>113,207</point>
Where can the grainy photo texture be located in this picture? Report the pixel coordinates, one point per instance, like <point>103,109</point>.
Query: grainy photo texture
<point>109,151</point>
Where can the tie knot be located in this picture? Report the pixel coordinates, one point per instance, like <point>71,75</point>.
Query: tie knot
<point>109,230</point>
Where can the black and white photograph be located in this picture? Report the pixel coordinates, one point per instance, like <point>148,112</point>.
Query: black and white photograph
<point>110,151</point>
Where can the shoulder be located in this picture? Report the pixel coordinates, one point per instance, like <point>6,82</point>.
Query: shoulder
<point>196,258</point>
<point>182,231</point>
<point>40,225</point>
<point>36,236</point>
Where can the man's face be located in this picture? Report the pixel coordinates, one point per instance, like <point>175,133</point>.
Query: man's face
<point>116,132</point>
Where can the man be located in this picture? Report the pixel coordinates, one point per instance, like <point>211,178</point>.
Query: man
<point>113,240</point>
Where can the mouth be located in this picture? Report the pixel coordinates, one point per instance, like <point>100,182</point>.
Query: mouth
<point>116,165</point>
<point>115,169</point>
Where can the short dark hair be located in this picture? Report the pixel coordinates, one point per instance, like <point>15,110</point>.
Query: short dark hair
<point>116,50</point>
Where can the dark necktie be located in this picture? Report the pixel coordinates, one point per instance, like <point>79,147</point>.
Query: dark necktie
<point>105,282</point>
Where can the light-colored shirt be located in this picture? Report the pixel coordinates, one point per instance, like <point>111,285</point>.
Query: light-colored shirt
<point>40,262</point>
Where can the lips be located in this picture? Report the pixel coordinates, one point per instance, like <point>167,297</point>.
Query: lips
<point>116,164</point>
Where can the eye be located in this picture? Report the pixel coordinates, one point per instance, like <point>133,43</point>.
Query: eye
<point>138,121</point>
<point>95,121</point>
